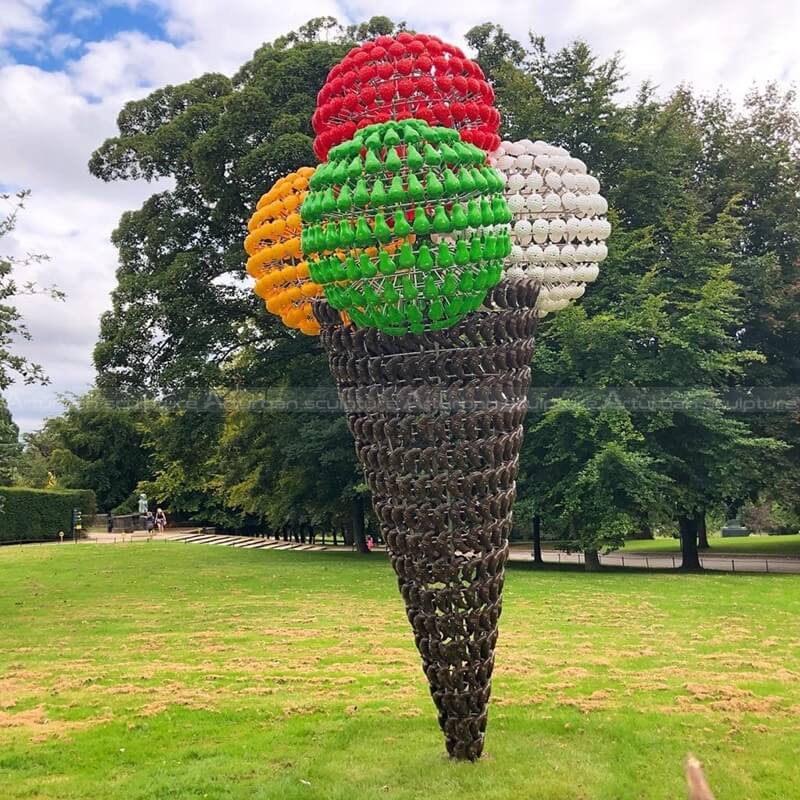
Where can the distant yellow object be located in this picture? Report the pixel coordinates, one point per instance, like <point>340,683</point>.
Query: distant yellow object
<point>276,260</point>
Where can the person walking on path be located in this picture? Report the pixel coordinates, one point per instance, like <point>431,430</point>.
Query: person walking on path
<point>149,523</point>
<point>161,520</point>
<point>110,523</point>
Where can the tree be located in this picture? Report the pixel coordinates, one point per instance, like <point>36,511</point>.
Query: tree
<point>566,97</point>
<point>13,328</point>
<point>754,153</point>
<point>181,315</point>
<point>295,470</point>
<point>34,465</point>
<point>10,450</point>
<point>669,318</point>
<point>600,481</point>
<point>184,326</point>
<point>184,461</point>
<point>94,445</point>
<point>668,308</point>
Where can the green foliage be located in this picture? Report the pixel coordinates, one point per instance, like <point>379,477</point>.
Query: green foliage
<point>666,312</point>
<point>10,449</point>
<point>37,514</point>
<point>130,505</point>
<point>93,443</point>
<point>183,325</point>
<point>770,517</point>
<point>34,465</point>
<point>601,484</point>
<point>267,472</point>
<point>185,463</point>
<point>173,326</point>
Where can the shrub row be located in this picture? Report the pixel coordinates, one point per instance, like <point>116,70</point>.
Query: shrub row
<point>39,514</point>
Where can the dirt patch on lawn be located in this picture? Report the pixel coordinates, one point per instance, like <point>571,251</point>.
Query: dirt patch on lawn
<point>40,726</point>
<point>725,699</point>
<point>161,696</point>
<point>596,701</point>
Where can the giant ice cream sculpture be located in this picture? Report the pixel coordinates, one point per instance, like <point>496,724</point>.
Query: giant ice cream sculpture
<point>425,249</point>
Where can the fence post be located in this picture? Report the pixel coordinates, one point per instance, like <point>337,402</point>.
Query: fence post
<point>766,564</point>
<point>647,562</point>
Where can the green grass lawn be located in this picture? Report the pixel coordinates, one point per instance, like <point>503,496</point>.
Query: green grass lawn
<point>142,672</point>
<point>752,545</point>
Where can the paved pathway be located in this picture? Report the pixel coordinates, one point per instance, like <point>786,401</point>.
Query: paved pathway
<point>732,562</point>
<point>724,562</point>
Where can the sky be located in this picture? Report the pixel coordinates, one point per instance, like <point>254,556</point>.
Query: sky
<point>68,66</point>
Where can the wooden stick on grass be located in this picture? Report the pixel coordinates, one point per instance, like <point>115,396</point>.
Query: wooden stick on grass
<point>698,788</point>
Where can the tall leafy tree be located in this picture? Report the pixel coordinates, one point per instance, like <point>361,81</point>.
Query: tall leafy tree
<point>34,465</point>
<point>601,482</point>
<point>13,328</point>
<point>753,153</point>
<point>667,311</point>
<point>183,442</point>
<point>10,449</point>
<point>96,445</point>
<point>184,319</point>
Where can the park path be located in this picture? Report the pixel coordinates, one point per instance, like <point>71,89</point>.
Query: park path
<point>718,561</point>
<point>722,562</point>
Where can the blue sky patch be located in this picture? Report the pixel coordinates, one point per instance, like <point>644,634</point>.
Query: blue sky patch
<point>74,24</point>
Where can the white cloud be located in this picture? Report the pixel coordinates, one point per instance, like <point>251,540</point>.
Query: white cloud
<point>129,62</point>
<point>61,43</point>
<point>224,34</point>
<point>21,18</point>
<point>53,120</point>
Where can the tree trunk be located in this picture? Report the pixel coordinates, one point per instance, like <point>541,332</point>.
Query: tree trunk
<point>359,528</point>
<point>702,531</point>
<point>537,540</point>
<point>591,561</point>
<point>691,557</point>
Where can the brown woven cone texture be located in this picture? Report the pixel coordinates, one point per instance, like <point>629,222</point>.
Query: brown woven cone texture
<point>437,420</point>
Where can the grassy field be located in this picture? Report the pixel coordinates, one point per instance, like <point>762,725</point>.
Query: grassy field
<point>750,545</point>
<point>157,671</point>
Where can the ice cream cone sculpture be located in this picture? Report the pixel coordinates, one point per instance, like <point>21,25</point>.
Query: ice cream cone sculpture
<point>437,420</point>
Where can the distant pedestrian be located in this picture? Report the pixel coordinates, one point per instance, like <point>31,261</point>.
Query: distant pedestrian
<point>110,523</point>
<point>161,520</point>
<point>149,522</point>
<point>370,542</point>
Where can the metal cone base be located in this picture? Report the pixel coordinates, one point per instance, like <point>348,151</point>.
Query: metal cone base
<point>437,419</point>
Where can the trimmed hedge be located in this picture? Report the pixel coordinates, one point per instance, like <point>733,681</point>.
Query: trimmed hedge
<point>39,514</point>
